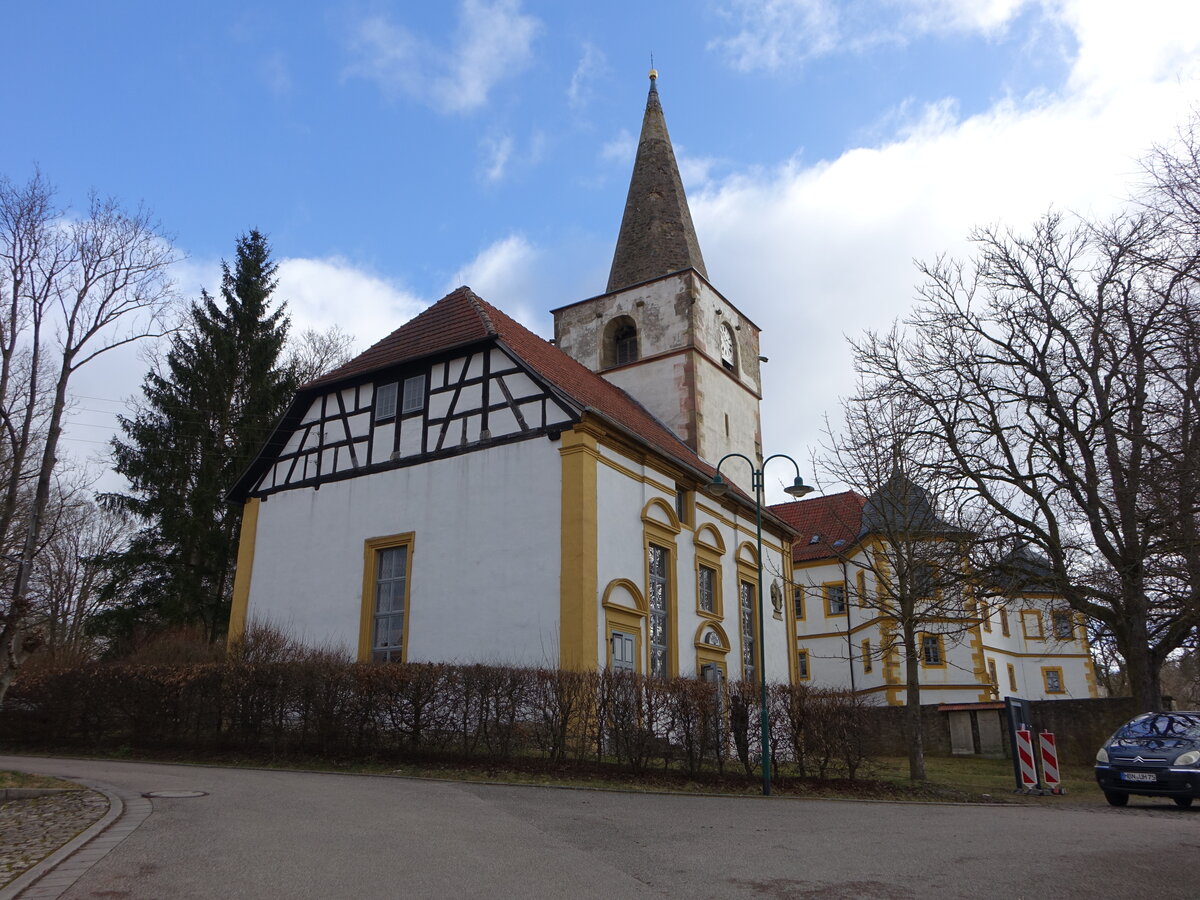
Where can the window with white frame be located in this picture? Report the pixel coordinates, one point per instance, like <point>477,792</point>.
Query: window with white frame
<point>706,586</point>
<point>659,563</point>
<point>931,650</point>
<point>385,401</point>
<point>391,598</point>
<point>414,393</point>
<point>746,604</point>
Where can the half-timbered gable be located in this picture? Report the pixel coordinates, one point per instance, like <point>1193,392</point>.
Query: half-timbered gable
<point>436,403</point>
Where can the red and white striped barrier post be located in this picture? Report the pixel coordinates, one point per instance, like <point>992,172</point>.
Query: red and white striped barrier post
<point>1050,762</point>
<point>1029,777</point>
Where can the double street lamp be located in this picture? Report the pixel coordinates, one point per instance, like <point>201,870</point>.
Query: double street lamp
<point>719,487</point>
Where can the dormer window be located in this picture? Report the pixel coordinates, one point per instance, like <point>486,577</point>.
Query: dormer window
<point>815,539</point>
<point>620,342</point>
<point>728,349</point>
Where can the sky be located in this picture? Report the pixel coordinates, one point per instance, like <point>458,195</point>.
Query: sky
<point>392,151</point>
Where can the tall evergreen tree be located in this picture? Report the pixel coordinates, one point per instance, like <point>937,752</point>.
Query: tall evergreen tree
<point>204,413</point>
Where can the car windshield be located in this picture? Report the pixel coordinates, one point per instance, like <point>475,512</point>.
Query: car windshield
<point>1161,725</point>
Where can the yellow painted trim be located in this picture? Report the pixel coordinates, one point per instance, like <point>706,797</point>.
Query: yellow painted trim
<point>664,536</point>
<point>578,580</point>
<point>860,586</point>
<point>1057,615</point>
<point>1089,674</point>
<point>709,559</point>
<point>622,618</point>
<point>366,622</point>
<point>751,555</point>
<point>979,661</point>
<point>672,524</point>
<point>747,573</point>
<point>1005,630</point>
<point>1036,615</point>
<point>993,678</point>
<point>868,663</point>
<point>638,597</point>
<point>1012,678</point>
<point>240,606</point>
<point>803,666</point>
<point>829,614</point>
<point>985,615</point>
<point>709,537</point>
<point>1046,655</point>
<point>718,630</point>
<point>1062,682</point>
<point>941,642</point>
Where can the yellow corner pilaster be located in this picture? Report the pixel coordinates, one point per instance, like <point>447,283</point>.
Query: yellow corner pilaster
<point>245,567</point>
<point>578,612</point>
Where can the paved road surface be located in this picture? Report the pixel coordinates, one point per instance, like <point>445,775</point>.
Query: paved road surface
<point>265,834</point>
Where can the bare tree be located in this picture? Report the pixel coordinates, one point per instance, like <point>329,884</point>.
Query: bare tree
<point>909,563</point>
<point>71,289</point>
<point>316,353</point>
<point>1047,369</point>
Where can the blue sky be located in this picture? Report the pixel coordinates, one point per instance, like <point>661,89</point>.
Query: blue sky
<point>395,150</point>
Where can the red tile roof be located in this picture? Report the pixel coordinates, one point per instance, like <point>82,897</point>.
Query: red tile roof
<point>462,317</point>
<point>834,520</point>
<point>453,321</point>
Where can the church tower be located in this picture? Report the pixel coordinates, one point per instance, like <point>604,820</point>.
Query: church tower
<point>660,331</point>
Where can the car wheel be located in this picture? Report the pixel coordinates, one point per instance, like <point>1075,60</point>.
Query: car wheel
<point>1182,802</point>
<point>1115,798</point>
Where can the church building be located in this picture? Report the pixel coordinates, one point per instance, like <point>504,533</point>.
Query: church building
<point>466,491</point>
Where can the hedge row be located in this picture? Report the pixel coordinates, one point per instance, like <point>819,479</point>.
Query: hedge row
<point>418,711</point>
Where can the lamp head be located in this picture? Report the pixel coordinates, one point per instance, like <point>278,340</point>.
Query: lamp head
<point>717,487</point>
<point>798,488</point>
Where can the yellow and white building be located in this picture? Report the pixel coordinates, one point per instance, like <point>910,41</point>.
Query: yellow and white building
<point>466,491</point>
<point>1025,643</point>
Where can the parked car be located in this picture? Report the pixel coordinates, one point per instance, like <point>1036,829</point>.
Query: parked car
<point>1152,755</point>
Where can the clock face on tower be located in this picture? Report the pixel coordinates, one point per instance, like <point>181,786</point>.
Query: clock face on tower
<point>727,346</point>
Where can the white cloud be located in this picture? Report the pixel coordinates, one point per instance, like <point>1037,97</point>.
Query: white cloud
<point>591,63</point>
<point>507,274</point>
<point>775,34</point>
<point>497,151</point>
<point>620,149</point>
<point>321,293</point>
<point>493,41</point>
<point>814,251</point>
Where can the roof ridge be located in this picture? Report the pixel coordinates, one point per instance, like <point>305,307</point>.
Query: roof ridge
<point>480,306</point>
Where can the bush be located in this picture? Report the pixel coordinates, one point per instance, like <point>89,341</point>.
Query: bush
<point>270,698</point>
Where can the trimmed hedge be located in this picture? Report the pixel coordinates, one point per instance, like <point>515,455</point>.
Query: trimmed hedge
<point>324,706</point>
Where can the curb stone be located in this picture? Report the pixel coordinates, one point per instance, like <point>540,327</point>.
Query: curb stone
<point>50,878</point>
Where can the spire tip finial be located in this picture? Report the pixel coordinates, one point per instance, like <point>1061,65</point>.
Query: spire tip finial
<point>653,71</point>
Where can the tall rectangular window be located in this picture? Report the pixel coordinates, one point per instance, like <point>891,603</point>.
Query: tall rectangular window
<point>385,401</point>
<point>1012,678</point>
<point>992,676</point>
<point>866,656</point>
<point>798,600</point>
<point>931,650</point>
<point>749,649</point>
<point>1064,628</point>
<point>860,582</point>
<point>1053,677</point>
<point>802,665</point>
<point>1004,630</point>
<point>659,625</point>
<point>706,587</point>
<point>835,599</point>
<point>414,393</point>
<point>391,598</point>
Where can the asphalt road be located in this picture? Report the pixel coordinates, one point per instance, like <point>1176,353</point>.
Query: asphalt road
<point>268,834</point>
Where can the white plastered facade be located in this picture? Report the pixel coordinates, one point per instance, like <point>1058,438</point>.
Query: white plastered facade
<point>838,658</point>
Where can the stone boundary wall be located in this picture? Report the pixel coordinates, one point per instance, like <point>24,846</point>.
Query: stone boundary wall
<point>1079,726</point>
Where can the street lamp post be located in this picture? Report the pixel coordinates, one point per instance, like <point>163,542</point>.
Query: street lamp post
<point>798,489</point>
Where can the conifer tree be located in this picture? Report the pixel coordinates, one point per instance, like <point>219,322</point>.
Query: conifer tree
<point>204,413</point>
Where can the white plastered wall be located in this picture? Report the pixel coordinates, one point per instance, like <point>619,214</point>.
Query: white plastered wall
<point>485,566</point>
<point>624,488</point>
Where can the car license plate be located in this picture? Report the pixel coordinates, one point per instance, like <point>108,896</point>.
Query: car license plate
<point>1139,776</point>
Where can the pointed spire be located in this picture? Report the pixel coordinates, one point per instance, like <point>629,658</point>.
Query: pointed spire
<point>657,236</point>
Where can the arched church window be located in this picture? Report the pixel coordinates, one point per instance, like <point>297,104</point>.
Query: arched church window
<point>728,349</point>
<point>620,342</point>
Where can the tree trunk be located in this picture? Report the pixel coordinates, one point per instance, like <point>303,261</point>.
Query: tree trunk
<point>916,735</point>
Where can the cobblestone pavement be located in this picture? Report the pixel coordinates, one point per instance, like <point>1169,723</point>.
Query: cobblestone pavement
<point>30,830</point>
